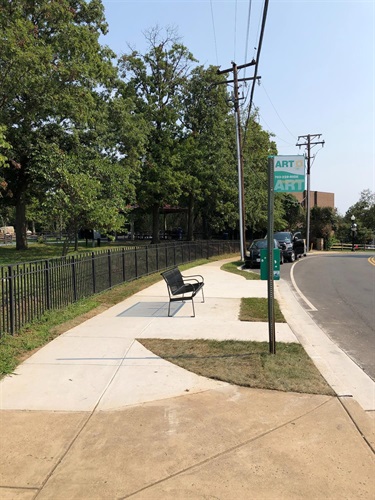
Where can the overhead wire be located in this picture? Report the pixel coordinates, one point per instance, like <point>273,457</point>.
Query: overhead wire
<point>265,91</point>
<point>264,18</point>
<point>246,51</point>
<point>235,30</point>
<point>247,33</point>
<point>269,129</point>
<point>213,26</point>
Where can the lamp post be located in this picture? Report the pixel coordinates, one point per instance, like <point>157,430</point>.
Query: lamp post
<point>353,229</point>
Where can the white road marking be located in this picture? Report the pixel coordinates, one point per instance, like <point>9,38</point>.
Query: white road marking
<point>307,302</point>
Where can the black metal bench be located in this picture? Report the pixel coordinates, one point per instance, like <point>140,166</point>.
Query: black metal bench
<point>181,288</point>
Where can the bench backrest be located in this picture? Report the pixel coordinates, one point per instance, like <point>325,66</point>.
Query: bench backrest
<point>173,279</point>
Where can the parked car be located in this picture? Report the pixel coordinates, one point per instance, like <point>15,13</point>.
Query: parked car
<point>252,257</point>
<point>293,244</point>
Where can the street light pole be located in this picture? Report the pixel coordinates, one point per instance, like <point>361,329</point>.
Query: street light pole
<point>353,229</point>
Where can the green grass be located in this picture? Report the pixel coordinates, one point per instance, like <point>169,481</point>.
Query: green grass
<point>247,364</point>
<point>256,309</point>
<point>233,267</point>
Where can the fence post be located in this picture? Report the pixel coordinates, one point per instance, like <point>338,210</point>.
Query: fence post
<point>136,262</point>
<point>93,272</point>
<point>48,290</point>
<point>123,265</point>
<point>11,301</point>
<point>146,259</point>
<point>74,279</point>
<point>109,269</point>
<point>157,257</point>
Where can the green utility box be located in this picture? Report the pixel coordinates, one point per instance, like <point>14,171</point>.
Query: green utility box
<point>264,264</point>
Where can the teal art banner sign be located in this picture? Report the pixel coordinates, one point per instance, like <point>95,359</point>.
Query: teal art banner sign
<point>289,174</point>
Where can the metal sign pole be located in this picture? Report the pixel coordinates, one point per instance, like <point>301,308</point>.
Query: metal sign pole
<point>270,251</point>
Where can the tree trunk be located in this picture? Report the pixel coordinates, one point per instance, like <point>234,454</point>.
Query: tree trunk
<point>190,228</point>
<point>21,240</point>
<point>155,224</point>
<point>206,229</point>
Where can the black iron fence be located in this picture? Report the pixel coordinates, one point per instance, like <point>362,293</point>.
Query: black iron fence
<point>30,289</point>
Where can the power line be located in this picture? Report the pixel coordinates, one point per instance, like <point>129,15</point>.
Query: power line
<point>291,133</point>
<point>257,63</point>
<point>235,30</point>
<point>247,32</point>
<point>273,133</point>
<point>213,25</point>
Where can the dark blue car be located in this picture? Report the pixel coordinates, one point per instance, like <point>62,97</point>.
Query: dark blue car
<point>252,257</point>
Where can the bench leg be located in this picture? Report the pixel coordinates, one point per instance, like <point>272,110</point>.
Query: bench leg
<point>192,301</point>
<point>169,309</point>
<point>202,295</point>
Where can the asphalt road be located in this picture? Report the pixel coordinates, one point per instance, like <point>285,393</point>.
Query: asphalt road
<point>341,287</point>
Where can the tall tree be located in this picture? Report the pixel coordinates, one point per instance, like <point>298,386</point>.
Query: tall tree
<point>157,79</point>
<point>258,145</point>
<point>208,153</point>
<point>323,223</point>
<point>53,73</point>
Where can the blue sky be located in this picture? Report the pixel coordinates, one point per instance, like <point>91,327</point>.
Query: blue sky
<point>317,68</point>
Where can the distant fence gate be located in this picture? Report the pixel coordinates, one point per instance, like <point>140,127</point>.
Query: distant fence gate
<point>28,290</point>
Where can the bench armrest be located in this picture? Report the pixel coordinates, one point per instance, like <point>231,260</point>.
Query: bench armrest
<point>193,276</point>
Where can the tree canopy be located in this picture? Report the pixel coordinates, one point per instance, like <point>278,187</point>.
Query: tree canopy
<point>55,80</point>
<point>83,140</point>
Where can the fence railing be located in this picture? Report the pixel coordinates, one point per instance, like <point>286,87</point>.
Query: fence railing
<point>28,290</point>
<point>349,246</point>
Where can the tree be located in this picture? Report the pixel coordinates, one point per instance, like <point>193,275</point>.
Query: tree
<point>323,223</point>
<point>53,74</point>
<point>157,79</point>
<point>257,147</point>
<point>364,212</point>
<point>207,146</point>
<point>294,215</point>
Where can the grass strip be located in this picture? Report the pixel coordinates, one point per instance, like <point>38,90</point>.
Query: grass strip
<point>235,268</point>
<point>244,363</point>
<point>256,309</point>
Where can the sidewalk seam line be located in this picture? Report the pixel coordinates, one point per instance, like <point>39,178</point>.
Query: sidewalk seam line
<point>91,414</point>
<point>229,450</point>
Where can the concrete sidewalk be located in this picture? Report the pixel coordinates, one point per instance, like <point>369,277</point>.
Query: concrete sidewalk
<point>94,415</point>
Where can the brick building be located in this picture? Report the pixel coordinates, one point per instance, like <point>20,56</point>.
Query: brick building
<point>317,199</point>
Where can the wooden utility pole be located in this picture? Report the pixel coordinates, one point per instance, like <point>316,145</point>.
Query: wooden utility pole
<point>241,189</point>
<point>309,138</point>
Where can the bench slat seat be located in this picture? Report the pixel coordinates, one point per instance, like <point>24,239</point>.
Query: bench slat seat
<point>182,288</point>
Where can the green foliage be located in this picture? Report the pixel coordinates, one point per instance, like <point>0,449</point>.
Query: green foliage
<point>293,214</point>
<point>207,150</point>
<point>156,79</point>
<point>364,213</point>
<point>56,78</point>
<point>78,146</point>
<point>257,148</point>
<point>323,222</point>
